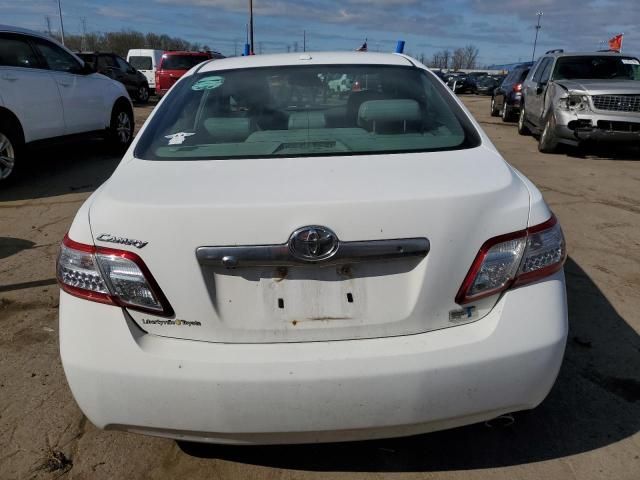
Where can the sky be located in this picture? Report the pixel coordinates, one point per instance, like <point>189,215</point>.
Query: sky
<point>502,30</point>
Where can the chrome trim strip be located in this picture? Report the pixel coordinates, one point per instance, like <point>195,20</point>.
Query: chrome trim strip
<point>280,255</point>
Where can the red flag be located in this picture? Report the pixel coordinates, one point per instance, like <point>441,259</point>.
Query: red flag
<point>615,44</point>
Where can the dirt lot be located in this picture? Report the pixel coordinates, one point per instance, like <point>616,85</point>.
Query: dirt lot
<point>586,429</point>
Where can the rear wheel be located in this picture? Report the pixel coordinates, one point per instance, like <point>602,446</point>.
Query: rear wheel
<point>505,113</point>
<point>522,124</point>
<point>548,139</point>
<point>494,110</point>
<point>142,94</point>
<point>121,127</point>
<point>10,149</point>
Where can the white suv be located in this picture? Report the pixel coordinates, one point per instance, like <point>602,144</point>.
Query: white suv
<point>47,92</point>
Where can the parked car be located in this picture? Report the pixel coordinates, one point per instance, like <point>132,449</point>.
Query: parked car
<point>571,98</point>
<point>342,84</point>
<point>174,65</point>
<point>486,85</point>
<point>47,92</point>
<point>506,98</point>
<point>456,82</point>
<point>235,298</point>
<point>471,80</point>
<point>146,61</point>
<point>115,67</point>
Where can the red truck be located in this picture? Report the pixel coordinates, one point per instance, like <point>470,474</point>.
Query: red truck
<point>175,64</point>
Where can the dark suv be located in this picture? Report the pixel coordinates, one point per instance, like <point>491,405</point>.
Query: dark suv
<point>506,99</point>
<point>115,67</point>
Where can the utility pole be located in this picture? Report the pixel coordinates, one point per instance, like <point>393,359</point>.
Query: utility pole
<point>251,51</point>
<point>47,19</point>
<point>535,42</point>
<point>304,40</point>
<point>83,21</point>
<point>61,24</point>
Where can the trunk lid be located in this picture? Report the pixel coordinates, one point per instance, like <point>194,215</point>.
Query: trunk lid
<point>457,200</point>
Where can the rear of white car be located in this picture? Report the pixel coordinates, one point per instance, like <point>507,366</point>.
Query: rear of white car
<point>275,263</point>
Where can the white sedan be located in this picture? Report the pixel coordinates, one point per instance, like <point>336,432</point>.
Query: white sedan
<point>273,262</point>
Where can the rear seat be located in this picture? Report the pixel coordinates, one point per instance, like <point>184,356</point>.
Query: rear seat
<point>306,120</point>
<point>390,116</point>
<point>228,129</point>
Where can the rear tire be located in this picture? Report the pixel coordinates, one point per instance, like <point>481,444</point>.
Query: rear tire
<point>494,111</point>
<point>522,124</point>
<point>548,142</point>
<point>142,94</point>
<point>505,113</point>
<point>11,146</point>
<point>120,133</point>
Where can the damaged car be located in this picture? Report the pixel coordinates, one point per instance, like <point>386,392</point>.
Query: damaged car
<point>572,98</point>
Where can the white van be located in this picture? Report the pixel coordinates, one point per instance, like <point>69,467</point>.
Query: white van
<point>146,61</point>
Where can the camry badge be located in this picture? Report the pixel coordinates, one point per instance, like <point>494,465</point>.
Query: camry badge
<point>106,237</point>
<point>313,243</point>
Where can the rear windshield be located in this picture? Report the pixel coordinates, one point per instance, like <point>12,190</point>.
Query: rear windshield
<point>182,62</point>
<point>596,67</point>
<point>306,111</point>
<point>141,63</point>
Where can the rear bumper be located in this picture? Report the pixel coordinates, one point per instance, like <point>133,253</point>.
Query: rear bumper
<point>123,378</point>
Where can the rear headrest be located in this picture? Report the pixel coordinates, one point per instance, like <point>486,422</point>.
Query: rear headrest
<point>228,129</point>
<point>305,120</point>
<point>400,110</point>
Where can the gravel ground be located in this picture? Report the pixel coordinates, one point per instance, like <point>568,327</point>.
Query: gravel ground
<point>586,429</point>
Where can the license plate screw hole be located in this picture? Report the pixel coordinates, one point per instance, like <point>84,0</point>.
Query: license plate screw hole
<point>350,297</point>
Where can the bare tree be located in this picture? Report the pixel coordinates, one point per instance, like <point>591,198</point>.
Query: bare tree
<point>457,59</point>
<point>470,55</point>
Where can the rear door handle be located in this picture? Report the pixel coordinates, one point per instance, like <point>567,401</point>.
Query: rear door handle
<point>9,76</point>
<point>64,83</point>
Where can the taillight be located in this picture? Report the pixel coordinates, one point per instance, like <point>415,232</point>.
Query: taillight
<point>106,275</point>
<point>514,259</point>
<point>517,87</point>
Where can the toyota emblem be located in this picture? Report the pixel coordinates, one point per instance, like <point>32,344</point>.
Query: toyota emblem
<point>313,243</point>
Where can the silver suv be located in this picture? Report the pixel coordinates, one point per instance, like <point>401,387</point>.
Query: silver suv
<point>573,97</point>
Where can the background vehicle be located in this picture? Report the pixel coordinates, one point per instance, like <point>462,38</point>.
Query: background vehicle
<point>48,92</point>
<point>470,81</point>
<point>505,100</point>
<point>174,65</point>
<point>304,313</point>
<point>486,85</point>
<point>117,68</point>
<point>576,97</point>
<point>340,85</point>
<point>456,82</point>
<point>146,61</point>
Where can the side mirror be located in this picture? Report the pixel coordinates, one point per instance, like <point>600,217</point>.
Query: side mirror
<point>87,69</point>
<point>131,70</point>
<point>540,88</point>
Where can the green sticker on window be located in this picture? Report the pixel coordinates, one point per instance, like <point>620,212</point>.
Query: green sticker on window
<point>208,83</point>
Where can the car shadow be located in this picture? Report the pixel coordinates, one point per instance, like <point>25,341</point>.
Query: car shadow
<point>61,168</point>
<point>594,403</point>
<point>604,151</point>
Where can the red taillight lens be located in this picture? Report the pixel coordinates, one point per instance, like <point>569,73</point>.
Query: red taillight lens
<point>106,275</point>
<point>514,259</point>
<point>517,87</point>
